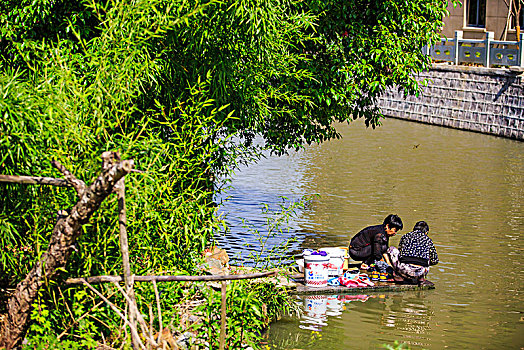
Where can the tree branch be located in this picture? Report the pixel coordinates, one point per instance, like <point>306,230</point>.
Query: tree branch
<point>79,185</point>
<point>132,305</point>
<point>31,180</point>
<point>64,236</point>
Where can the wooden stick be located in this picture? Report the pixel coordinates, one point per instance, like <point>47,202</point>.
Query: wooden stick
<point>32,180</point>
<point>159,309</point>
<point>124,248</point>
<point>108,159</point>
<point>223,316</point>
<point>205,278</point>
<point>151,318</point>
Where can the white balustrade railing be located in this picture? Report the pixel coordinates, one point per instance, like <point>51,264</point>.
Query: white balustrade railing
<point>487,52</point>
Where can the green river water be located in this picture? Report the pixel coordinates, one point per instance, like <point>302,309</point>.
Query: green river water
<point>467,186</point>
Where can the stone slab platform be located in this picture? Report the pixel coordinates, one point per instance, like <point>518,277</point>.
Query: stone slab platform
<point>302,289</point>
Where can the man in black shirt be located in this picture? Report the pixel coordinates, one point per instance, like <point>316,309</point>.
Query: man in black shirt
<point>371,243</point>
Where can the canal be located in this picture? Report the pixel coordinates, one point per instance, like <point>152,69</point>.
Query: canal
<point>469,188</point>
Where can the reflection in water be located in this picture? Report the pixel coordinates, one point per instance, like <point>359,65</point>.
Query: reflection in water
<point>314,317</point>
<point>317,312</point>
<point>318,307</point>
<point>405,315</point>
<point>467,186</point>
<point>410,316</point>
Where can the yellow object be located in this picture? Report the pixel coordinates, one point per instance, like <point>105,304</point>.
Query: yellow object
<point>375,276</point>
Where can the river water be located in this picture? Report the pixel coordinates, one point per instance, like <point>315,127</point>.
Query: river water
<point>468,187</point>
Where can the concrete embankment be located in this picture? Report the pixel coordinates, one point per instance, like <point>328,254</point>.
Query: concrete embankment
<point>486,100</point>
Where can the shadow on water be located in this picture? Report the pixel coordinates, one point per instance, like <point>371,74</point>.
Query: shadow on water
<point>467,186</point>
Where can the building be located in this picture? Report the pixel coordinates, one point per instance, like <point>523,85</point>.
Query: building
<point>476,17</point>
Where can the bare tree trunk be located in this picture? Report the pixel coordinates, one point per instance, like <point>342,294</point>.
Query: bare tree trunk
<point>64,236</point>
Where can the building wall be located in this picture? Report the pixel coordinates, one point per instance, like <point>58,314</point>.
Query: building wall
<point>496,15</point>
<point>479,99</point>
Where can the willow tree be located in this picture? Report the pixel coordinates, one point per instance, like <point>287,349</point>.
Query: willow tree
<point>290,69</point>
<point>72,95</point>
<point>168,83</point>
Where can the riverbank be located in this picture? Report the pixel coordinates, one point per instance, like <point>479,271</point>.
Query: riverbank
<point>485,100</point>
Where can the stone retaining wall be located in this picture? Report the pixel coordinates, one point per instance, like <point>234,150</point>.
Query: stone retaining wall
<point>485,100</point>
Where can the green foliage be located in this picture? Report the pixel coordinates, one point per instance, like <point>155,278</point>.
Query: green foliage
<point>250,48</point>
<point>365,47</point>
<point>74,107</point>
<point>291,69</point>
<point>29,21</point>
<point>77,98</point>
<point>42,332</point>
<point>287,69</point>
<point>396,346</point>
<point>181,87</point>
<point>250,306</point>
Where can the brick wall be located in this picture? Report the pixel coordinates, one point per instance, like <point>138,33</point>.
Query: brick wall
<point>479,99</point>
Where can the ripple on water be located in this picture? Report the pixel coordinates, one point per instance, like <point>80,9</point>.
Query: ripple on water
<point>467,186</point>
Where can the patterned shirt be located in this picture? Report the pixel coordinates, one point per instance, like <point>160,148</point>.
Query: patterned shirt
<point>417,248</point>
